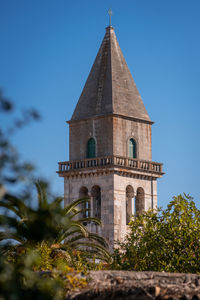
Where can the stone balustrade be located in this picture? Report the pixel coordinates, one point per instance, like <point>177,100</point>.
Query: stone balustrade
<point>115,161</point>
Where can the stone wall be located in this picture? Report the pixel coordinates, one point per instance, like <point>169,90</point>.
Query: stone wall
<point>98,128</point>
<point>120,184</point>
<point>105,182</point>
<point>124,129</point>
<point>129,285</point>
<point>113,199</point>
<point>111,135</point>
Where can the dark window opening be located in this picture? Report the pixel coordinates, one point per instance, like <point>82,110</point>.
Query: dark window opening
<point>129,203</point>
<point>86,207</point>
<point>91,149</point>
<point>96,196</point>
<point>132,151</point>
<point>139,201</point>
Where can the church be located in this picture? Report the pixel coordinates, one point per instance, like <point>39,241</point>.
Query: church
<point>110,147</point>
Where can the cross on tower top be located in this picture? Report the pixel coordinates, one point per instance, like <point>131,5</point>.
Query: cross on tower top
<point>110,14</point>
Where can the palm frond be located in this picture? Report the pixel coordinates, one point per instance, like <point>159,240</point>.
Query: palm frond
<point>42,193</point>
<point>52,224</point>
<point>8,221</point>
<point>65,234</point>
<point>82,228</point>
<point>10,207</point>
<point>90,219</point>
<point>16,203</point>
<point>74,204</point>
<point>81,212</point>
<point>10,236</point>
<point>99,239</point>
<point>91,236</point>
<point>56,202</point>
<point>82,246</point>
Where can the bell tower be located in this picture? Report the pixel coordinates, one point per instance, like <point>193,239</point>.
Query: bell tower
<point>110,145</point>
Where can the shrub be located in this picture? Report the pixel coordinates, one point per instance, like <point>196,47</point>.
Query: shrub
<point>164,240</point>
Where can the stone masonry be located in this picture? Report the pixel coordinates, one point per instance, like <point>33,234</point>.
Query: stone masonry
<point>111,113</point>
<point>129,285</point>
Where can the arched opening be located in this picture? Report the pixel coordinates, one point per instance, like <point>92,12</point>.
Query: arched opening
<point>83,193</point>
<point>129,203</point>
<point>96,196</point>
<point>91,148</point>
<point>132,148</point>
<point>139,201</point>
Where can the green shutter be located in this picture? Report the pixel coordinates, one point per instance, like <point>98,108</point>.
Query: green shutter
<point>91,148</point>
<point>132,153</point>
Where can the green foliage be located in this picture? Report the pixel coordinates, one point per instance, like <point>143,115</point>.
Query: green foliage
<point>50,223</point>
<point>45,260</point>
<point>43,249</point>
<point>12,169</point>
<point>20,280</point>
<point>166,240</point>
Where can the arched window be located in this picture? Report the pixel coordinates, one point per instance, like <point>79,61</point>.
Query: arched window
<point>91,148</point>
<point>139,201</point>
<point>129,203</point>
<point>132,151</point>
<point>96,196</point>
<point>83,193</point>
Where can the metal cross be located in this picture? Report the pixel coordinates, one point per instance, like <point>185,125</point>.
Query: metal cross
<point>110,14</point>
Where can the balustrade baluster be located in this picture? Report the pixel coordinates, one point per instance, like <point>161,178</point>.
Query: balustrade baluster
<point>109,160</point>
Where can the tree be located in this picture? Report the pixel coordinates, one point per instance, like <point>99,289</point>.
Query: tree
<point>164,240</point>
<point>49,223</point>
<point>36,238</point>
<point>12,169</point>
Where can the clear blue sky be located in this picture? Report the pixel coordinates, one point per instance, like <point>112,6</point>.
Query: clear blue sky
<point>46,52</point>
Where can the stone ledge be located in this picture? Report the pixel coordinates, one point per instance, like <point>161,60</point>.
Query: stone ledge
<point>132,285</point>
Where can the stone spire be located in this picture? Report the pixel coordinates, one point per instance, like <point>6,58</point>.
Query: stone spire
<point>110,88</point>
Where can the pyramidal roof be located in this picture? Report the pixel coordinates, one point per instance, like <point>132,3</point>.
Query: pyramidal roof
<point>110,88</point>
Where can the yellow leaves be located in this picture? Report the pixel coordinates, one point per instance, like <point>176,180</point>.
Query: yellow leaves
<point>73,282</point>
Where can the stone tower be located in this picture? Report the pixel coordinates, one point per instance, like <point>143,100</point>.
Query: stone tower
<point>110,145</point>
